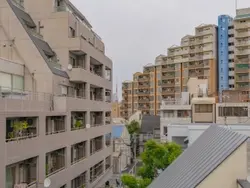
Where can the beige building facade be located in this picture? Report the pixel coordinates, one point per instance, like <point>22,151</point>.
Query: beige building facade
<point>196,56</point>
<point>55,97</point>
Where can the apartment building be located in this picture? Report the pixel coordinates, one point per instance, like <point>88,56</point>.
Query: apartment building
<point>195,57</point>
<point>225,54</point>
<point>142,93</point>
<point>55,97</point>
<point>242,49</point>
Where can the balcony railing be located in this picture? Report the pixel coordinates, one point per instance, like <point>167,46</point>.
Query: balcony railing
<point>55,161</point>
<point>20,129</point>
<point>19,100</point>
<point>55,125</point>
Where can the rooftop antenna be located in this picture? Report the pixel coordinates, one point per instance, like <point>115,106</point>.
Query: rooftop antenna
<point>236,5</point>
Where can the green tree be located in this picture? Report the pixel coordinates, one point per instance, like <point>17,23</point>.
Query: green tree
<point>156,157</point>
<point>133,182</point>
<point>133,127</point>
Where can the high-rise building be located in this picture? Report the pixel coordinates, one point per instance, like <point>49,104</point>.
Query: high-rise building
<point>225,54</point>
<point>55,97</point>
<point>242,50</point>
<point>195,57</point>
<point>142,94</point>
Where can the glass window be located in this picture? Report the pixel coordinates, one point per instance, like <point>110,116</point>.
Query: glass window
<point>5,80</point>
<point>17,83</point>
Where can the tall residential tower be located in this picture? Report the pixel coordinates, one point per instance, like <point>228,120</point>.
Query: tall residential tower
<point>225,54</point>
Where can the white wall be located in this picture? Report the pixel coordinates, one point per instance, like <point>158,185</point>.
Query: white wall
<point>193,131</point>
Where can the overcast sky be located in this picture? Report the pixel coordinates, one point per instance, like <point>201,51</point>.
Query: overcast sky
<point>136,31</point>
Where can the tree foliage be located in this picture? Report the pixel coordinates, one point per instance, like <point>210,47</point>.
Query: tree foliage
<point>133,127</point>
<point>133,182</point>
<point>155,158</point>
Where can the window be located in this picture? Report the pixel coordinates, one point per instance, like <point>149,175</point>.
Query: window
<point>5,80</point>
<point>233,111</point>
<point>78,152</point>
<point>79,181</point>
<point>203,108</point>
<point>17,83</point>
<point>108,139</point>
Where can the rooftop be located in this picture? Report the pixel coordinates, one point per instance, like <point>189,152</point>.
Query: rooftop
<point>194,165</point>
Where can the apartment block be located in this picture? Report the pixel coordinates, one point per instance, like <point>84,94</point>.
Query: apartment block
<point>55,97</point>
<point>242,49</point>
<point>167,79</point>
<point>225,54</point>
<point>142,94</point>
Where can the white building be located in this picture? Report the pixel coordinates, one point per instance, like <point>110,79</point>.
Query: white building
<point>186,134</point>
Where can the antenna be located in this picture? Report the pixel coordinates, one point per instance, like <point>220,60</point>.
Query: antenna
<point>236,5</point>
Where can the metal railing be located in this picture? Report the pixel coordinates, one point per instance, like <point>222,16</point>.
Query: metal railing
<point>19,100</point>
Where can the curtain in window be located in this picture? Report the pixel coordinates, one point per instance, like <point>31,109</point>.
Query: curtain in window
<point>17,83</point>
<point>5,81</point>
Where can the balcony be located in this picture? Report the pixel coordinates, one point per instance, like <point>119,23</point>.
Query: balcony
<point>243,87</point>
<point>96,67</point>
<point>78,120</point>
<point>96,171</point>
<point>242,34</point>
<point>242,79</point>
<point>55,124</point>
<point>168,84</point>
<point>108,96</point>
<point>168,69</point>
<point>78,152</point>
<point>108,139</point>
<point>143,100</point>
<point>107,162</point>
<point>24,172</point>
<point>240,26</point>
<point>107,118</point>
<point>77,59</point>
<point>16,100</point>
<point>96,144</point>
<point>108,74</point>
<point>96,93</point>
<point>168,92</point>
<point>78,91</point>
<point>145,85</point>
<point>244,52</point>
<point>242,43</point>
<point>55,161</point>
<point>80,75</point>
<point>21,128</point>
<point>96,119</point>
<point>79,181</point>
<point>168,76</point>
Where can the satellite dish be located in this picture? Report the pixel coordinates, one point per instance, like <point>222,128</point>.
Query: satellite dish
<point>70,67</point>
<point>88,126</point>
<point>248,179</point>
<point>46,182</point>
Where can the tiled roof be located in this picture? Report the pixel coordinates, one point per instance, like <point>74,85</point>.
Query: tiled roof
<point>200,159</point>
<point>42,46</point>
<point>244,183</point>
